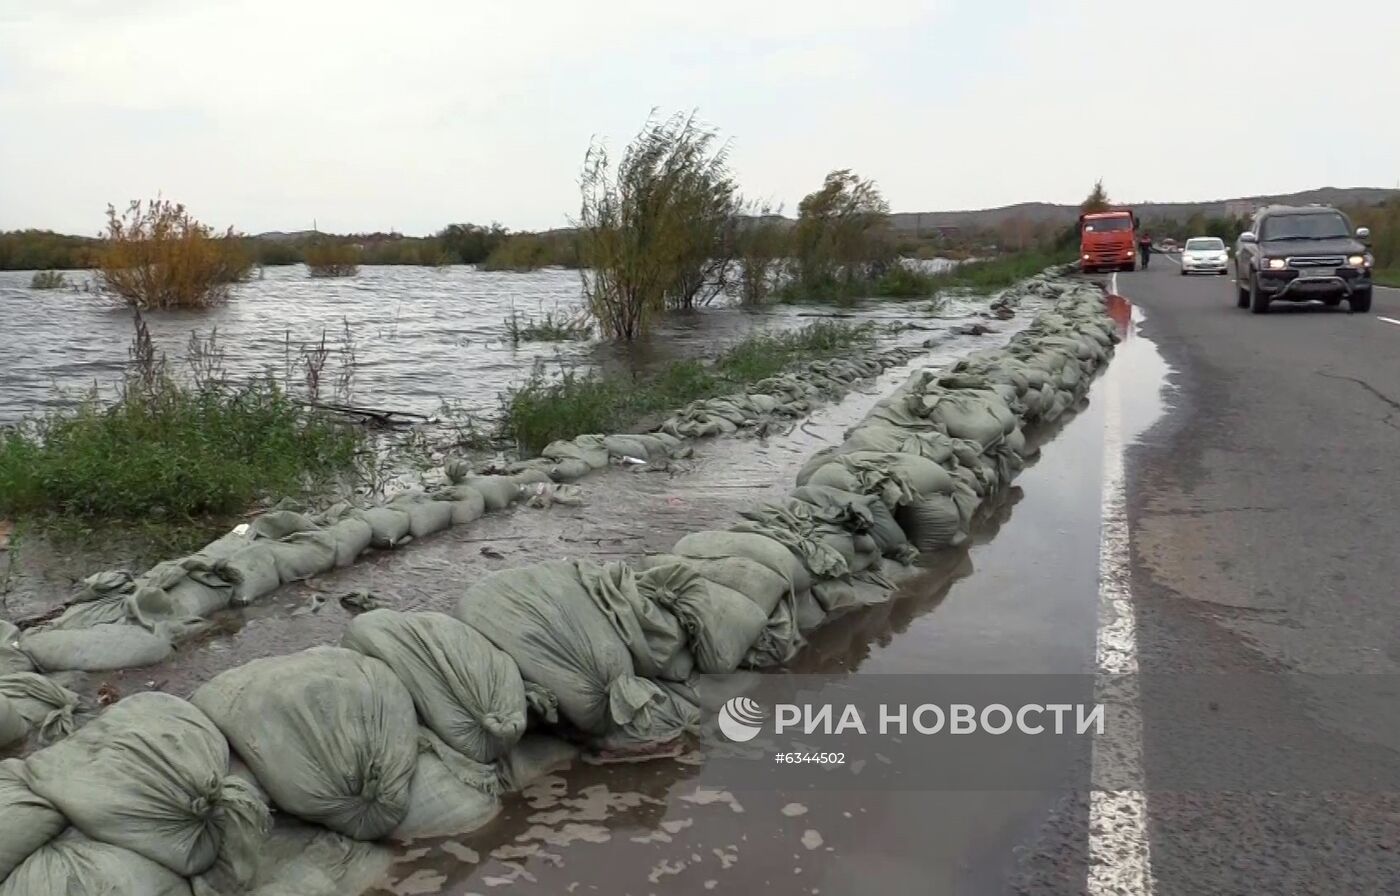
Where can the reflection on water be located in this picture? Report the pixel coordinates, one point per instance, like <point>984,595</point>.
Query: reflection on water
<point>421,335</point>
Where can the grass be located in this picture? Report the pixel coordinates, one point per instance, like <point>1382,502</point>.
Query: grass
<point>549,328</point>
<point>544,409</point>
<point>48,280</point>
<point>170,451</point>
<point>1387,276</point>
<point>1002,271</point>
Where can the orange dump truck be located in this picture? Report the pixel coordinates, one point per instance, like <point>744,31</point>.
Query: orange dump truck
<point>1108,241</point>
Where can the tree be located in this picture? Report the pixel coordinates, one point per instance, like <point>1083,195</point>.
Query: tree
<point>470,243</point>
<point>647,229</point>
<point>842,236</point>
<point>1096,201</point>
<point>761,243</point>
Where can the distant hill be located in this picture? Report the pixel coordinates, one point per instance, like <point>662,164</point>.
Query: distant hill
<point>1044,212</point>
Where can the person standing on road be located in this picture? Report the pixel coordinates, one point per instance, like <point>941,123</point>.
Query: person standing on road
<point>1145,247</point>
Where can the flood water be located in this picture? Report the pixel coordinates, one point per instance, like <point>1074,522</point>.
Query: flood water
<point>421,336</point>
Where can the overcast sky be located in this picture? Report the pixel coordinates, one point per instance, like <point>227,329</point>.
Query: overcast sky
<point>409,114</point>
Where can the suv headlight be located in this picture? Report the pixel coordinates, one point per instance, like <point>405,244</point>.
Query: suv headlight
<point>1359,261</point>
<point>1275,264</point>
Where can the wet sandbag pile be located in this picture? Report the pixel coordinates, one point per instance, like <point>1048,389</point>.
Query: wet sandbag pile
<point>787,396</point>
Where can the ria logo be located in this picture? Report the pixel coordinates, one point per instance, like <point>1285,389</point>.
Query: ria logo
<point>740,719</point>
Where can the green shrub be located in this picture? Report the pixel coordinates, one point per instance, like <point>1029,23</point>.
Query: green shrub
<point>554,326</point>
<point>332,260</point>
<point>167,450</point>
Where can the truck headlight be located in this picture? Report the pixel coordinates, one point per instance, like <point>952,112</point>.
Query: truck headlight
<point>1086,256</point>
<point>1359,261</point>
<point>1275,264</point>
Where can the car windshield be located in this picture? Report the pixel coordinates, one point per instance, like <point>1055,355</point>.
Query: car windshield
<point>1304,227</point>
<point>1206,245</point>
<point>1100,225</point>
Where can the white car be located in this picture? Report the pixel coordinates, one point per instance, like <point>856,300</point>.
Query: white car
<point>1204,254</point>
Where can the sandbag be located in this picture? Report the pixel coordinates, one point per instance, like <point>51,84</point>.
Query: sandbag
<point>721,624</point>
<point>350,537</point>
<point>978,416</point>
<point>278,524</point>
<point>302,555</point>
<point>425,516</point>
<point>544,617</point>
<point>12,659</point>
<point>252,570</point>
<point>450,794</point>
<point>590,450</point>
<point>932,523</point>
<point>652,633</point>
<point>763,587</point>
<point>780,639</point>
<point>307,860</point>
<point>467,503</point>
<point>13,727</point>
<point>100,648</point>
<point>188,588</point>
<point>73,865</point>
<point>27,820</point>
<point>331,735</point>
<point>465,690</point>
<point>721,545</point>
<point>499,492</point>
<point>48,710</point>
<point>388,526</point>
<point>150,774</point>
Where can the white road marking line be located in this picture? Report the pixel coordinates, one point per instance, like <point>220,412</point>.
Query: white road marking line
<point>1120,861</point>
<point>1389,320</point>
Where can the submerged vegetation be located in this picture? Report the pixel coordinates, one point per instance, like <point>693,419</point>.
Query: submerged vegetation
<point>156,255</point>
<point>544,409</point>
<point>552,326</point>
<point>171,448</point>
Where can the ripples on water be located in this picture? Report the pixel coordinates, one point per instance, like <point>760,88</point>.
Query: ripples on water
<point>421,335</point>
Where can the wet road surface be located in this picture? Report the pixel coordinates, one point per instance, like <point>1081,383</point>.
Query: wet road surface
<point>1263,511</point>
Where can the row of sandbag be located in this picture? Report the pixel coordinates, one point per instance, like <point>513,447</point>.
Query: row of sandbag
<point>411,729</point>
<point>117,620</point>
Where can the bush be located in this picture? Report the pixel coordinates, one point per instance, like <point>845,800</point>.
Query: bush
<point>39,250</point>
<point>841,241</point>
<point>48,280</point>
<point>167,450</point>
<point>554,326</point>
<point>542,409</point>
<point>639,236</point>
<point>332,260</point>
<point>156,255</point>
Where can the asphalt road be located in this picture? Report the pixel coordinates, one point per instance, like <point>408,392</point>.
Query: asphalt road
<point>1263,510</point>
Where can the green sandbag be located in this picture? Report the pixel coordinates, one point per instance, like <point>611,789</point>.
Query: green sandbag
<point>388,527</point>
<point>330,734</point>
<point>308,860</point>
<point>652,633</point>
<point>976,415</point>
<point>350,538</point>
<point>101,600</point>
<point>468,692</point>
<point>935,446</point>
<point>499,492</point>
<point>450,794</point>
<point>720,623</point>
<point>546,619</point>
<point>932,523</point>
<point>252,570</point>
<point>779,641</point>
<point>763,587</point>
<point>467,503</point>
<point>858,514</point>
<point>101,648</point>
<point>27,820</point>
<point>12,659</point>
<point>188,588</point>
<point>720,545</point>
<point>302,555</point>
<point>13,727</point>
<point>278,524</point>
<point>588,449</point>
<point>73,865</point>
<point>425,516</point>
<point>49,710</point>
<point>150,774</point>
<point>896,478</point>
<point>808,612</point>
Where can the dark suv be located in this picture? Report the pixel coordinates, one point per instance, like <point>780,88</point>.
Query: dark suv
<point>1296,254</point>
